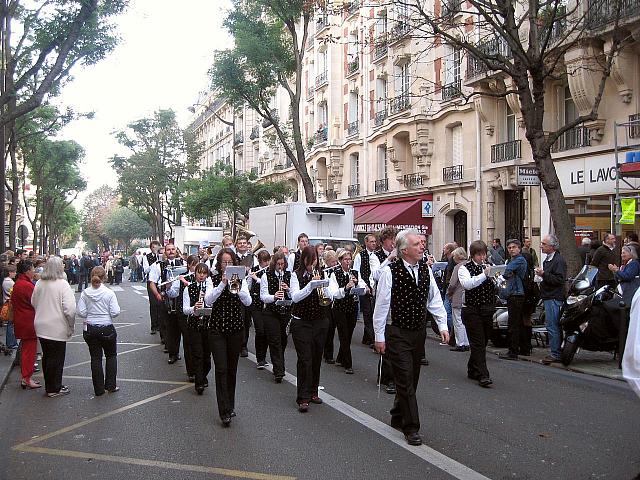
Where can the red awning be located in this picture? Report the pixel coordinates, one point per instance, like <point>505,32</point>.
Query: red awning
<point>404,214</point>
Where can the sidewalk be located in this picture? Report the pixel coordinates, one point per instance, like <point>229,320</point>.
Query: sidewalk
<point>6,361</point>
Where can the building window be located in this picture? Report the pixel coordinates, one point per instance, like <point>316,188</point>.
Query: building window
<point>355,169</point>
<point>456,145</point>
<point>569,111</point>
<point>510,125</point>
<point>383,172</point>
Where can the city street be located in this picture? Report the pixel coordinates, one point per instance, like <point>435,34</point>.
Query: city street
<point>536,422</point>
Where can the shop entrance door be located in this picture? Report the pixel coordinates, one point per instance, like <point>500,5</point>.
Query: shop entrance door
<point>513,214</point>
<point>460,229</point>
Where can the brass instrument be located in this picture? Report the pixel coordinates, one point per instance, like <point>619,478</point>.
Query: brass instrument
<point>234,284</point>
<point>497,278</point>
<point>244,232</point>
<point>174,272</point>
<point>258,246</point>
<point>322,298</point>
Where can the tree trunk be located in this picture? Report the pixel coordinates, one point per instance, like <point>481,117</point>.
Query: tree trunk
<point>15,190</point>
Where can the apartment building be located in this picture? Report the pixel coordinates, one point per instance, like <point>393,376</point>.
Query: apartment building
<point>414,133</point>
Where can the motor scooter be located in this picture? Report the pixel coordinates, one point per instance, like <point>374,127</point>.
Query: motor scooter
<point>590,317</point>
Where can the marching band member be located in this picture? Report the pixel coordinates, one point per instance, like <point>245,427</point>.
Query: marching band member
<point>192,295</point>
<point>257,309</point>
<point>148,260</point>
<point>406,291</point>
<point>294,258</point>
<point>308,328</point>
<point>169,309</point>
<point>246,258</point>
<point>226,332</point>
<point>362,264</point>
<point>345,305</point>
<point>330,262</point>
<point>274,286</point>
<point>477,310</point>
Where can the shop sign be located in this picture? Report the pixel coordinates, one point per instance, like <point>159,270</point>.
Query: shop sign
<point>376,227</point>
<point>528,177</point>
<point>427,209</point>
<point>628,206</point>
<point>595,175</point>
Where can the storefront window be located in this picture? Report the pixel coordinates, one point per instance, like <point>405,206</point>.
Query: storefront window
<point>591,217</point>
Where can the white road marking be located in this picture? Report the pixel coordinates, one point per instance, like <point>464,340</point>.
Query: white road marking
<point>119,353</point>
<point>428,454</point>
<point>116,288</point>
<point>139,287</point>
<point>145,296</point>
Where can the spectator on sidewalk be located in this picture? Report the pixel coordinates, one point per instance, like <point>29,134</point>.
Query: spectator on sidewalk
<point>527,248</point>
<point>604,256</point>
<point>552,291</point>
<point>8,276</point>
<point>584,249</point>
<point>515,274</point>
<point>133,268</point>
<point>23,317</point>
<point>455,292</point>
<point>628,273</point>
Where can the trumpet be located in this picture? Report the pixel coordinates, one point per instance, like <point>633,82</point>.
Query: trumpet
<point>497,278</point>
<point>234,284</point>
<point>322,298</point>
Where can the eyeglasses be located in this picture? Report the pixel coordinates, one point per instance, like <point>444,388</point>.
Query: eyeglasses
<point>228,262</point>
<point>544,243</point>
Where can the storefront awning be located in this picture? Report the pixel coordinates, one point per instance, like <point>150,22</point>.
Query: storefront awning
<point>403,214</point>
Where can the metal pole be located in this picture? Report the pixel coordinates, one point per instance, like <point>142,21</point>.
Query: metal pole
<point>233,161</point>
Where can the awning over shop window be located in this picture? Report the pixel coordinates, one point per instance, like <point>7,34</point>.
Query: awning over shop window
<point>403,214</point>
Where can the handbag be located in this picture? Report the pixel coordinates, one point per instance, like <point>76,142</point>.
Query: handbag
<point>6,313</point>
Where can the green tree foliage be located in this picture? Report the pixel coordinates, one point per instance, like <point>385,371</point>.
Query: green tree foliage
<point>270,42</point>
<point>96,208</point>
<point>124,225</point>
<point>66,226</point>
<point>152,179</point>
<point>53,168</point>
<point>220,191</point>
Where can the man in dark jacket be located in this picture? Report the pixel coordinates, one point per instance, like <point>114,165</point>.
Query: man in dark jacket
<point>514,273</point>
<point>552,291</point>
<point>584,249</point>
<point>605,255</point>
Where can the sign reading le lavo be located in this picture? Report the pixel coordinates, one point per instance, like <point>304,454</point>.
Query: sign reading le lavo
<point>589,175</point>
<point>528,177</point>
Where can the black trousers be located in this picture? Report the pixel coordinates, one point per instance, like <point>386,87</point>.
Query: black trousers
<point>366,307</point>
<point>102,339</point>
<point>53,353</point>
<point>273,337</point>
<point>225,348</point>
<point>404,351</point>
<point>345,323</point>
<point>387,372</point>
<point>154,310</point>
<point>309,342</point>
<point>176,329</point>
<point>282,322</point>
<point>478,321</point>
<point>331,333</point>
<point>198,342</point>
<point>83,279</point>
<point>260,338</point>
<point>247,325</point>
<point>515,307</point>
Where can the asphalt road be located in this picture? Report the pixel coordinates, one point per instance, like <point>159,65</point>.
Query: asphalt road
<point>536,422</point>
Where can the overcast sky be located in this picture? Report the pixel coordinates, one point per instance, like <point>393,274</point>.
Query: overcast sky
<point>162,60</point>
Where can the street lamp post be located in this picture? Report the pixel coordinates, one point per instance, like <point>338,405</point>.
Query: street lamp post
<point>232,124</point>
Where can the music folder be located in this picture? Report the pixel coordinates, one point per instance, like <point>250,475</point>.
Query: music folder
<point>202,312</point>
<point>319,283</point>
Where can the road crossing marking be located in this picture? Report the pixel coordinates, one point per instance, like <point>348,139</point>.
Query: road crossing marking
<point>119,326</point>
<point>119,353</point>
<point>139,287</point>
<point>122,343</point>
<point>116,288</point>
<point>428,454</point>
<point>136,380</point>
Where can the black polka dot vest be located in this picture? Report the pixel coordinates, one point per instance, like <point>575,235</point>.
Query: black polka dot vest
<point>348,304</point>
<point>226,312</point>
<point>309,308</point>
<point>255,290</point>
<point>483,294</point>
<point>274,285</point>
<point>408,300</point>
<point>194,322</point>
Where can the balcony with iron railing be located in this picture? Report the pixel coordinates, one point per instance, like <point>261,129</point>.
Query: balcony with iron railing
<point>601,13</point>
<point>413,180</point>
<point>310,94</point>
<point>255,133</point>
<point>353,128</point>
<point>450,8</point>
<point>353,7</point>
<point>353,190</point>
<point>321,79</point>
<point>353,66</point>
<point>322,21</point>
<point>239,138</point>
<point>380,48</point>
<point>379,117</point>
<point>451,90</point>
<point>454,173</point>
<point>577,137</point>
<point>504,152</point>
<point>381,185</point>
<point>399,104</point>
<point>634,129</point>
<point>254,171</point>
<point>321,136</point>
<point>330,195</point>
<point>493,47</point>
<point>399,30</point>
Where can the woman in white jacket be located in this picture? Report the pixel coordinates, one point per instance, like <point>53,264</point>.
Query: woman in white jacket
<point>55,308</point>
<point>98,306</point>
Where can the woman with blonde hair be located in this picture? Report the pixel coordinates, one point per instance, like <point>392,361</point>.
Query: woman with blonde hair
<point>98,306</point>
<point>455,291</point>
<point>54,322</point>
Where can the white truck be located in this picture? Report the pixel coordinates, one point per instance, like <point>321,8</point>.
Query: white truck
<point>188,238</point>
<point>280,224</point>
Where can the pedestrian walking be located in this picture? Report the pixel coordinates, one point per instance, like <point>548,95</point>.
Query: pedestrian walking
<point>477,310</point>
<point>226,333</point>
<point>406,291</point>
<point>98,306</point>
<point>455,292</point>
<point>55,310</point>
<point>23,319</point>
<point>552,291</point>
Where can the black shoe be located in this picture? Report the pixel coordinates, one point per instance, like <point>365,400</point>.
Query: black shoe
<point>153,332</point>
<point>205,384</point>
<point>191,379</point>
<point>232,414</point>
<point>460,348</point>
<point>396,422</point>
<point>329,361</point>
<point>485,382</point>
<point>244,353</point>
<point>316,399</point>
<point>278,379</point>
<point>165,350</point>
<point>508,356</point>
<point>172,360</point>
<point>348,371</point>
<point>424,361</point>
<point>226,420</point>
<point>391,388</point>
<point>261,365</point>
<point>413,439</point>
<point>199,390</point>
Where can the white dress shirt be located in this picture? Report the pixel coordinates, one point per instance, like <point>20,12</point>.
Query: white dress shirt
<point>145,264</point>
<point>357,262</point>
<point>291,259</point>
<point>155,274</point>
<point>377,267</point>
<point>265,296</point>
<point>214,293</point>
<point>338,293</point>
<point>382,310</point>
<point>467,281</point>
<point>297,294</point>
<point>187,309</point>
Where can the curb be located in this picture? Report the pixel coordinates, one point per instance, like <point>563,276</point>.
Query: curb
<point>6,365</point>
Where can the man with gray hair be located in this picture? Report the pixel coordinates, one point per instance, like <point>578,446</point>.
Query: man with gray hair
<point>554,275</point>
<point>406,291</point>
<point>584,249</point>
